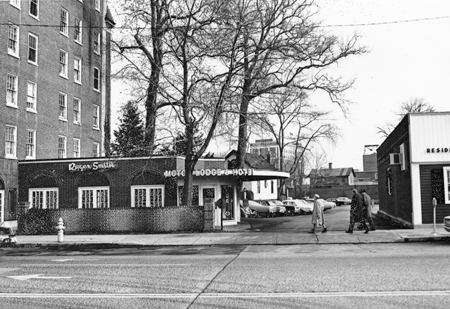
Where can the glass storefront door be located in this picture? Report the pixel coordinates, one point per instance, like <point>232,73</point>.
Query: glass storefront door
<point>228,202</point>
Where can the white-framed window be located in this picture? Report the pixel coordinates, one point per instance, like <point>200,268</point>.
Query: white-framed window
<point>11,142</point>
<point>63,61</point>
<point>97,5</point>
<point>12,82</point>
<point>96,150</point>
<point>62,106</point>
<point>34,8</point>
<point>76,147</point>
<point>31,145</point>
<point>147,196</point>
<point>43,198</point>
<point>31,96</point>
<point>64,22</point>
<point>62,142</point>
<point>96,79</point>
<point>15,3</point>
<point>93,197</point>
<point>78,34</point>
<point>13,40</point>
<point>32,48</point>
<point>96,44</point>
<point>96,117</point>
<point>76,111</point>
<point>77,70</point>
<point>447,184</point>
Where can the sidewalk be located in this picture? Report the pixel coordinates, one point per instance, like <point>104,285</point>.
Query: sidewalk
<point>239,235</point>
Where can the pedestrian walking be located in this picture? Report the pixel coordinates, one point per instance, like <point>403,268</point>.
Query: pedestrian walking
<point>358,212</point>
<point>368,204</point>
<point>317,218</point>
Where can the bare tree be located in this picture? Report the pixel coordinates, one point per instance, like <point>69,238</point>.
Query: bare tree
<point>413,105</point>
<point>295,125</point>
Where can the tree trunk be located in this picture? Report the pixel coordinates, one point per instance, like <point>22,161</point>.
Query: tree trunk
<point>151,107</point>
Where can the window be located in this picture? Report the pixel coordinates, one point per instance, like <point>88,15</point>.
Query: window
<point>31,96</point>
<point>447,184</point>
<point>64,22</point>
<point>96,150</point>
<point>61,147</point>
<point>10,142</point>
<point>96,79</point>
<point>78,35</point>
<point>258,186</point>
<point>63,63</point>
<point>271,186</point>
<point>96,116</point>
<point>77,70</point>
<point>34,8</point>
<point>11,90</point>
<point>97,4</point>
<point>97,197</point>
<point>389,185</point>
<point>147,196</point>
<point>62,106</point>
<point>97,43</point>
<point>31,145</point>
<point>76,148</point>
<point>76,111</point>
<point>32,48</point>
<point>15,3</point>
<point>13,40</point>
<point>44,198</point>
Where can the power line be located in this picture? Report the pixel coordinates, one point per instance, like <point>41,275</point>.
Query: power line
<point>388,22</point>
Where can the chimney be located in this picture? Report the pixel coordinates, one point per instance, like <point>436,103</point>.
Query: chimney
<point>330,165</point>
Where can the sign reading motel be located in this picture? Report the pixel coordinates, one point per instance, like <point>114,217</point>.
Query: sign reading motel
<point>212,172</point>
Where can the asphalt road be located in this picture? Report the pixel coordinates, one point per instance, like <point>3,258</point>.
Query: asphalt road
<point>403,275</point>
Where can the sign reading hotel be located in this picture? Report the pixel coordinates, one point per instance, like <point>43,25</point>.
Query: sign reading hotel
<point>75,167</point>
<point>212,172</point>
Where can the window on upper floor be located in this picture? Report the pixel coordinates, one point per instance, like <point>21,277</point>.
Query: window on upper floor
<point>31,145</point>
<point>13,40</point>
<point>76,111</point>
<point>32,48</point>
<point>31,96</point>
<point>11,90</point>
<point>97,5</point>
<point>96,117</point>
<point>77,70</point>
<point>96,79</point>
<point>78,35</point>
<point>63,58</point>
<point>64,22</point>
<point>76,147</point>
<point>11,142</point>
<point>97,41</point>
<point>62,106</point>
<point>62,142</point>
<point>34,8</point>
<point>15,3</point>
<point>96,150</point>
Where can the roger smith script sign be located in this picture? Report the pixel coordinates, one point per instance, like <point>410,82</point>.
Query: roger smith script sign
<point>212,172</point>
<point>94,166</point>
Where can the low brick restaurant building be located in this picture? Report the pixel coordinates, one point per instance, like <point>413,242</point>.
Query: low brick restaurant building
<point>414,167</point>
<point>107,195</point>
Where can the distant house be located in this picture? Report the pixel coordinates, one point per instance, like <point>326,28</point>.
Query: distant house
<point>329,177</point>
<point>366,178</point>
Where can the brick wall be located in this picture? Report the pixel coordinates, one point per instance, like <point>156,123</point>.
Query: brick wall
<point>118,220</point>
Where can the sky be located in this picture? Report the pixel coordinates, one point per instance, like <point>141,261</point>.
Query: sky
<point>409,57</point>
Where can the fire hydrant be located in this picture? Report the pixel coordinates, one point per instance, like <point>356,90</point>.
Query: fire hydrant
<point>60,227</point>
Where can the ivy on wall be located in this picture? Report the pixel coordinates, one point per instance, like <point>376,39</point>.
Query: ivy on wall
<point>437,185</point>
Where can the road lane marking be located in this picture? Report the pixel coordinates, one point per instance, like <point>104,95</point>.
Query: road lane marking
<point>231,295</point>
<point>4,270</point>
<point>37,276</point>
<point>104,265</point>
<point>68,260</point>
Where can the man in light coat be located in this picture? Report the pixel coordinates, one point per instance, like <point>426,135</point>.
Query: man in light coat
<point>368,203</point>
<point>317,218</point>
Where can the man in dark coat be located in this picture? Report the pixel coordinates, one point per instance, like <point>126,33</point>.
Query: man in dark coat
<point>358,212</point>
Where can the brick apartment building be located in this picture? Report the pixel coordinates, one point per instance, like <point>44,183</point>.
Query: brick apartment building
<point>54,85</point>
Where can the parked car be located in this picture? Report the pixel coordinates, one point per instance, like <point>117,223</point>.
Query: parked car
<point>7,235</point>
<point>331,199</point>
<point>343,200</point>
<point>298,207</point>
<point>447,223</point>
<point>326,205</point>
<point>261,209</point>
<point>280,210</point>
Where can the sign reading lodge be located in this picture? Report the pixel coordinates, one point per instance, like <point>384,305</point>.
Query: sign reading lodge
<point>212,172</point>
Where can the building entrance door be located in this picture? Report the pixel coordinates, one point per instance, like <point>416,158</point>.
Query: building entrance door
<point>2,206</point>
<point>228,202</point>
<point>208,192</point>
